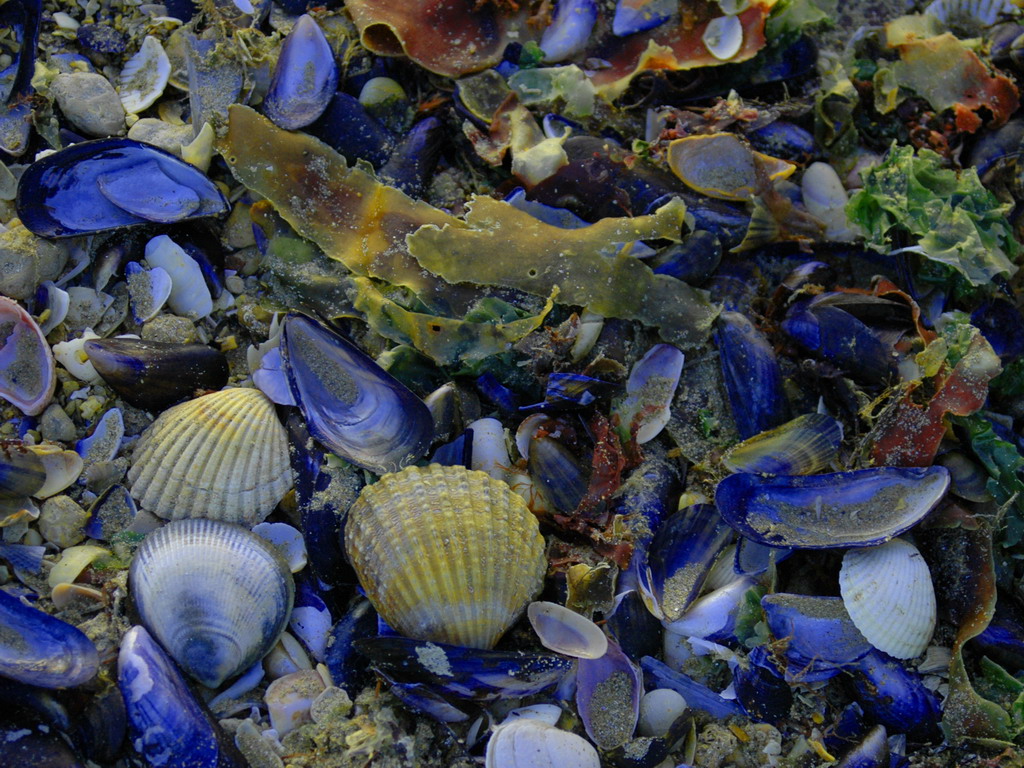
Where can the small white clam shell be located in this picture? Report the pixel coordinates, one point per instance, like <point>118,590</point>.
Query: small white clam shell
<point>723,37</point>
<point>888,593</point>
<point>71,354</point>
<point>490,454</point>
<point>144,77</point>
<point>825,197</point>
<point>62,468</point>
<point>288,540</point>
<point>564,631</point>
<point>658,710</point>
<point>527,743</point>
<point>189,295</point>
<point>287,656</point>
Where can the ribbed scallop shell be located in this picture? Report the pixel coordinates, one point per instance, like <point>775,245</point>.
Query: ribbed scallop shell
<point>144,77</point>
<point>888,593</point>
<point>215,595</point>
<point>446,553</point>
<point>223,456</point>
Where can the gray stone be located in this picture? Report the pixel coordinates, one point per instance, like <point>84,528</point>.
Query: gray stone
<point>170,328</point>
<point>90,102</point>
<point>26,261</point>
<point>161,134</point>
<point>56,425</point>
<point>61,520</point>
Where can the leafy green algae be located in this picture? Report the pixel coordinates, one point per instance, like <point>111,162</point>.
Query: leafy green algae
<point>952,217</point>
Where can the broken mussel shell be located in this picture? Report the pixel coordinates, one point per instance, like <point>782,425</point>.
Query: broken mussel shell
<point>22,472</point>
<point>222,456</point>
<point>352,405</point>
<point>95,186</point>
<point>807,444</point>
<point>168,723</point>
<point>464,673</point>
<point>215,595</point>
<point>155,374</point>
<point>28,375</point>
<point>446,553</point>
<point>843,509</point>
<point>41,650</point>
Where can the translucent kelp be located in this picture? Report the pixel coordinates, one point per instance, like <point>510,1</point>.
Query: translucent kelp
<point>535,257</point>
<point>365,225</point>
<point>448,38</point>
<point>950,75</point>
<point>346,211</point>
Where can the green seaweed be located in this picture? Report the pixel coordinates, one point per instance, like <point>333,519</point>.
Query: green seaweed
<point>446,341</point>
<point>951,216</point>
<point>1005,467</point>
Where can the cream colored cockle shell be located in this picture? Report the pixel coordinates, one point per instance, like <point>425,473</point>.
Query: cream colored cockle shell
<point>223,456</point>
<point>888,592</point>
<point>446,554</point>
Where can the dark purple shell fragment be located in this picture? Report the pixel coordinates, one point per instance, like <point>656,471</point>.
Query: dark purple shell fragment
<point>155,374</point>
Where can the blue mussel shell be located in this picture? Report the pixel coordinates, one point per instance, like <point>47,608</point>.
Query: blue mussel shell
<point>843,509</point>
<point>38,649</point>
<point>95,186</point>
<point>352,405</point>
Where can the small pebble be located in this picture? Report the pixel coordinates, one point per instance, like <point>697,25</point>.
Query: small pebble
<point>90,102</point>
<point>55,425</point>
<point>170,328</point>
<point>258,751</point>
<point>26,261</point>
<point>333,703</point>
<point>65,21</point>
<point>658,710</point>
<point>61,520</point>
<point>290,698</point>
<point>164,135</point>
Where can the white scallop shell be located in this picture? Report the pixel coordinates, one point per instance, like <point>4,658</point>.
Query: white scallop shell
<point>528,743</point>
<point>723,37</point>
<point>223,456</point>
<point>983,12</point>
<point>144,77</point>
<point>888,593</point>
<point>216,596</point>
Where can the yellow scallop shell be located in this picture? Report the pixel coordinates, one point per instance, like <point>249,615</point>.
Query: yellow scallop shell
<point>446,554</point>
<point>223,456</point>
